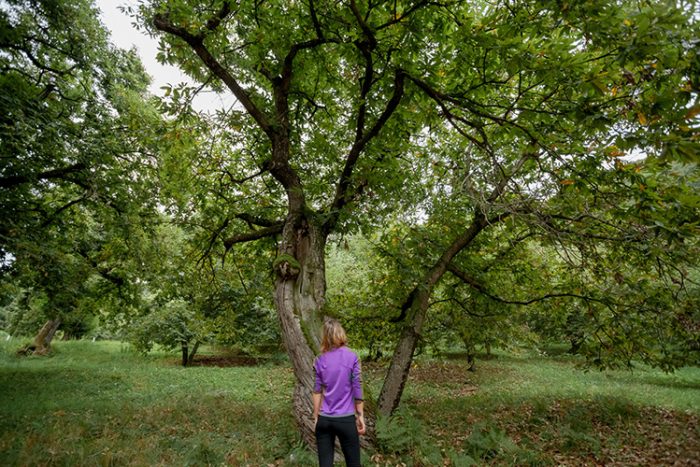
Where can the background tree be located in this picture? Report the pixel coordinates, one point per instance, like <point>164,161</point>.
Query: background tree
<point>76,132</point>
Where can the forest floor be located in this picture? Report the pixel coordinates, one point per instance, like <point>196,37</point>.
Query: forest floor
<point>100,403</point>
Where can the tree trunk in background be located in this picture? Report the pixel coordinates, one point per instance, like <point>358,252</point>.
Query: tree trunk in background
<point>185,354</point>
<point>42,341</point>
<point>300,291</point>
<point>190,357</point>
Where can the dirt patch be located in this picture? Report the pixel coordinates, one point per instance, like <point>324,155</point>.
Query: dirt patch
<point>226,360</point>
<point>440,373</point>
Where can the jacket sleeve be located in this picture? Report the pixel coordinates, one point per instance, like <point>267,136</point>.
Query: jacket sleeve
<point>357,380</point>
<point>317,378</point>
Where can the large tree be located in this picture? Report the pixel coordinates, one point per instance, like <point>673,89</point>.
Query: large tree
<point>76,133</point>
<point>471,119</point>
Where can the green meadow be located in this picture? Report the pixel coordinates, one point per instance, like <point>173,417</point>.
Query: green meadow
<point>100,403</point>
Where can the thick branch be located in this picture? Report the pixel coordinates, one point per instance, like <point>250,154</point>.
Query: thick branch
<point>162,23</point>
<point>342,195</point>
<point>438,269</point>
<point>253,235</point>
<point>13,180</point>
<point>255,220</point>
<point>314,19</point>
<point>214,22</point>
<point>364,90</point>
<point>104,272</point>
<point>366,30</point>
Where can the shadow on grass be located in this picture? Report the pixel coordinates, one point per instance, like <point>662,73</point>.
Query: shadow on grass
<point>35,390</point>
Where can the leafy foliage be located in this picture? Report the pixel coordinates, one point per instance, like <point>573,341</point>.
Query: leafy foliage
<point>77,137</point>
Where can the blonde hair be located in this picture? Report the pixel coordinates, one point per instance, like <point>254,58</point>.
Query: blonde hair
<point>333,335</point>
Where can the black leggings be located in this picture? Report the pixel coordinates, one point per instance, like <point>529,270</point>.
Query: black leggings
<point>345,429</point>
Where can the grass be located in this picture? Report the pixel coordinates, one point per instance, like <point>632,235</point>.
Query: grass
<point>99,403</point>
<point>534,410</point>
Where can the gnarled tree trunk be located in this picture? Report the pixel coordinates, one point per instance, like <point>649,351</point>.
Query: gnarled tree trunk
<point>300,291</point>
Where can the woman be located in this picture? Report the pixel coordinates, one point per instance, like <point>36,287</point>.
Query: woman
<point>337,397</point>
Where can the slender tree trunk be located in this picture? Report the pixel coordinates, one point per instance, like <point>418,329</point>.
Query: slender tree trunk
<point>300,290</point>
<point>185,354</point>
<point>190,357</point>
<point>42,341</point>
<point>417,306</point>
<point>397,375</point>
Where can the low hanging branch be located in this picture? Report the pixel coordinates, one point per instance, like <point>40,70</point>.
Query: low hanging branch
<point>254,235</point>
<point>476,285</point>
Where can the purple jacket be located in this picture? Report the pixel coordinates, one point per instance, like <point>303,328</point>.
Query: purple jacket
<point>338,376</point>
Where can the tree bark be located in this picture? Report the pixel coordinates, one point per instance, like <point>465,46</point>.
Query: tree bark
<point>417,307</point>
<point>300,290</point>
<point>397,375</point>
<point>190,357</point>
<point>42,341</point>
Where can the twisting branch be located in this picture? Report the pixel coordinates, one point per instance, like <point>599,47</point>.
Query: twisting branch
<point>253,235</point>
<point>286,77</point>
<point>162,22</point>
<point>342,194</point>
<point>476,285</point>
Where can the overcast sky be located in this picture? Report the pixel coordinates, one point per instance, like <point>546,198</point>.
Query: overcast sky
<point>124,35</point>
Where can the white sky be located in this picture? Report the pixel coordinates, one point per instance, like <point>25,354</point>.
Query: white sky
<point>125,36</point>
